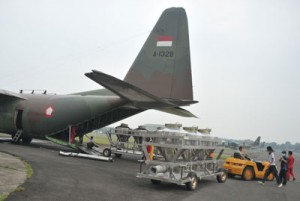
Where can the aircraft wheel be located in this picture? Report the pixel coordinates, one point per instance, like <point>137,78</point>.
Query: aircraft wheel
<point>221,178</point>
<point>248,173</point>
<point>192,185</point>
<point>26,140</point>
<point>106,152</point>
<point>155,182</point>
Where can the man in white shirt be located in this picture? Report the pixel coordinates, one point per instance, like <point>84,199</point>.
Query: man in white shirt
<point>272,168</point>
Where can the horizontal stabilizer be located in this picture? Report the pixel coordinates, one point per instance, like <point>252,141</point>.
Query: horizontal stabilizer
<point>178,111</point>
<point>9,94</point>
<point>140,98</point>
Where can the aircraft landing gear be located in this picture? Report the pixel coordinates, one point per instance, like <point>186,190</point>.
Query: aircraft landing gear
<point>26,140</point>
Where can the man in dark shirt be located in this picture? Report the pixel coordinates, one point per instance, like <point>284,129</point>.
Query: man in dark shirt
<point>283,168</point>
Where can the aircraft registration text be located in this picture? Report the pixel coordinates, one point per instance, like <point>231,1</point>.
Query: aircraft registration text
<point>163,54</point>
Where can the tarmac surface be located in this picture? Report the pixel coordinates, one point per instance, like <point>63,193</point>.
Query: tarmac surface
<point>12,173</point>
<point>67,178</point>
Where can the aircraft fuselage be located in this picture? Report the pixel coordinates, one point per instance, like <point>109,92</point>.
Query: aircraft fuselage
<point>41,115</point>
<point>160,78</point>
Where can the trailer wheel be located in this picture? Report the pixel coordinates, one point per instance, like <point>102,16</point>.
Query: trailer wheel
<point>106,152</point>
<point>155,182</point>
<point>192,185</point>
<point>248,173</point>
<point>221,178</point>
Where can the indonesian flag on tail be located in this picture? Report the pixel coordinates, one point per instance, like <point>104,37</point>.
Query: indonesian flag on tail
<point>164,41</point>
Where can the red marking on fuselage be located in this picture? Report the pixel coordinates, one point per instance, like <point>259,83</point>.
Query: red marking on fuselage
<point>49,111</point>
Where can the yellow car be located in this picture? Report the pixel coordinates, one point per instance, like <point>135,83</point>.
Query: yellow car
<point>247,169</point>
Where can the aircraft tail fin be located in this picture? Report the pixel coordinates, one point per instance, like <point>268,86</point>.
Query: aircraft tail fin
<point>163,66</point>
<point>257,141</point>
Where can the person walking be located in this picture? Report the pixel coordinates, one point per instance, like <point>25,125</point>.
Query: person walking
<point>283,168</point>
<point>271,169</point>
<point>290,171</point>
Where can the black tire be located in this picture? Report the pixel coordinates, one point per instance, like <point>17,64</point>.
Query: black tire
<point>118,155</point>
<point>248,174</point>
<point>26,140</point>
<point>106,152</point>
<point>221,178</point>
<point>192,185</point>
<point>155,182</point>
<point>230,175</point>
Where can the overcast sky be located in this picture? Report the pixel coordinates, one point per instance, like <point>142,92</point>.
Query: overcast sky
<point>244,54</point>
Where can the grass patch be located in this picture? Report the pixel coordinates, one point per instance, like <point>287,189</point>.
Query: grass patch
<point>28,169</point>
<point>98,138</point>
<point>3,196</point>
<point>102,140</point>
<point>29,173</point>
<point>4,135</point>
<point>19,189</point>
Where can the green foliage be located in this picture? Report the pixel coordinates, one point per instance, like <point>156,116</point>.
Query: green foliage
<point>19,189</point>
<point>4,135</point>
<point>98,138</point>
<point>29,169</point>
<point>3,196</point>
<point>102,139</point>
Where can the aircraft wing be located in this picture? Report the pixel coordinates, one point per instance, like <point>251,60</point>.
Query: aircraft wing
<point>9,94</point>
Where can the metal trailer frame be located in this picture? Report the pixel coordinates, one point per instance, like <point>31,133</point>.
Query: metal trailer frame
<point>188,160</point>
<point>121,144</point>
<point>88,156</point>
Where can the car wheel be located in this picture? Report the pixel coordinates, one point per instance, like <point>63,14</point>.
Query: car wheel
<point>248,173</point>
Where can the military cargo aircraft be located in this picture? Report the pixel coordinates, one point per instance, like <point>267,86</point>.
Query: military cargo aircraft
<point>254,145</point>
<point>160,78</point>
